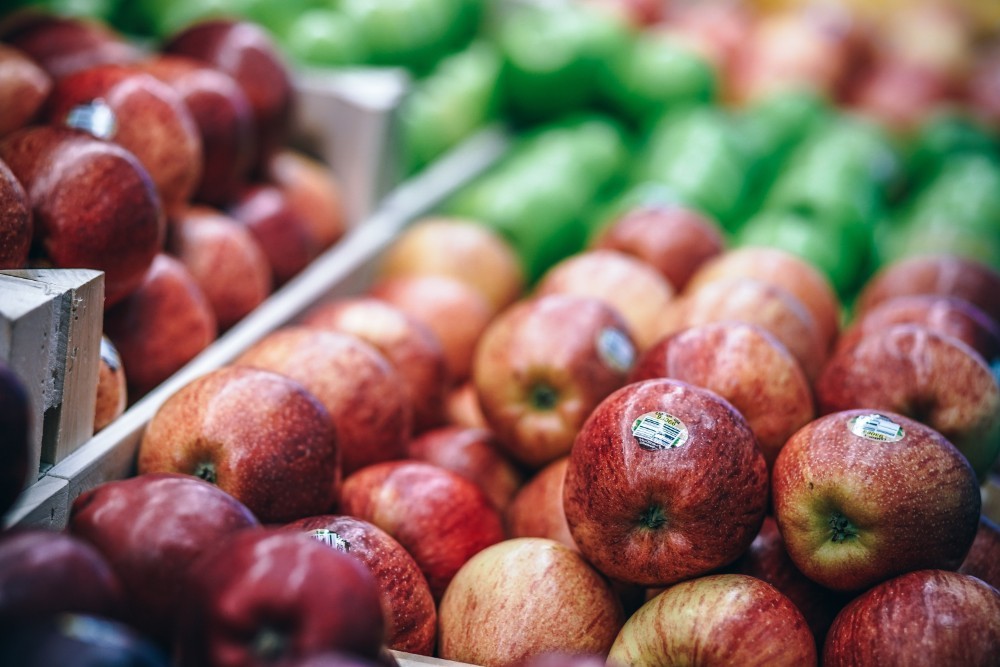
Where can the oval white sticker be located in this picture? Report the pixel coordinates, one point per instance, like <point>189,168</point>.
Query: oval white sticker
<point>876,427</point>
<point>331,539</point>
<point>659,430</point>
<point>616,349</point>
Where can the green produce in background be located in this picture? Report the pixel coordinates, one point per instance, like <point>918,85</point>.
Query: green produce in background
<point>161,18</point>
<point>319,37</point>
<point>944,136</point>
<point>458,97</point>
<point>554,57</point>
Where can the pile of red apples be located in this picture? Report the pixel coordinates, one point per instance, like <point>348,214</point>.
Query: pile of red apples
<point>665,452</point>
<point>168,168</point>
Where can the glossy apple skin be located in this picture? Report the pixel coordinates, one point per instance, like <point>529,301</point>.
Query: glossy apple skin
<point>768,560</point>
<point>673,239</point>
<point>657,516</point>
<point>635,289</point>
<point>440,517</point>
<point>44,572</point>
<point>224,119</point>
<point>225,260</point>
<point>902,622</point>
<point>983,559</point>
<point>855,511</point>
<point>15,424</point>
<point>150,528</point>
<point>743,364</point>
<point>162,325</point>
<point>112,388</point>
<point>92,202</point>
<point>946,275</point>
<point>473,453</point>
<point>526,596</point>
<point>407,343</point>
<point>542,366</point>
<point>24,87</point>
<point>722,619</point>
<point>263,596</point>
<point>356,384</point>
<point>151,120</point>
<point>259,436</point>
<point>410,609</point>
<point>537,508</point>
<point>935,379</point>
<point>246,52</point>
<point>81,640</point>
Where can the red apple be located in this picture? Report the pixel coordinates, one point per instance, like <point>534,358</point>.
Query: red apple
<point>225,260</point>
<point>753,301</point>
<point>410,611</point>
<point>246,52</point>
<point>260,597</point>
<point>901,95</point>
<point>782,269</point>
<point>743,364</point>
<point>473,453</point>
<point>136,110</point>
<point>665,482</point>
<point>723,619</point>
<point>983,559</point>
<point>982,90</point>
<point>935,379</point>
<point>44,572</point>
<point>280,227</point>
<point>523,597</point>
<point>112,388</point>
<point>412,348</point>
<point>93,204</point>
<point>537,509</point>
<point>224,119</point>
<point>150,528</point>
<point>259,436</point>
<point>455,312</point>
<point>440,517</point>
<point>63,45</point>
<point>24,87</point>
<point>924,619</point>
<point>356,384</point>
<point>634,288</point>
<point>463,249</point>
<point>946,275</point>
<point>947,315</point>
<point>161,325</point>
<point>16,225</point>
<point>314,189</point>
<point>15,423</point>
<point>461,407</point>
<point>768,560</point>
<point>862,496</point>
<point>542,366</point>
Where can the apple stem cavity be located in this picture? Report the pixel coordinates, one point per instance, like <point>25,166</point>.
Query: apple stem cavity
<point>269,644</point>
<point>543,397</point>
<point>841,528</point>
<point>653,518</point>
<point>206,471</point>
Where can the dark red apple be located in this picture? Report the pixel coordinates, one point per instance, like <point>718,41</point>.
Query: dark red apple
<point>15,424</point>
<point>473,453</point>
<point>16,225</point>
<point>246,52</point>
<point>224,119</point>
<point>410,610</point>
<point>356,384</point>
<point>440,517</point>
<point>983,559</point>
<point>407,343</point>
<point>112,388</point>
<point>901,95</point>
<point>665,482</point>
<point>163,324</point>
<point>257,435</point>
<point>93,204</point>
<point>264,596</point>
<point>313,188</point>
<point>24,87</point>
<point>150,528</point>
<point>45,572</point>
<point>924,619</point>
<point>225,260</point>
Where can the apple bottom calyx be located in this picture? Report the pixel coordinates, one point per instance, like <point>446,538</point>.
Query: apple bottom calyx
<point>653,517</point>
<point>205,470</point>
<point>269,644</point>
<point>543,397</point>
<point>841,528</point>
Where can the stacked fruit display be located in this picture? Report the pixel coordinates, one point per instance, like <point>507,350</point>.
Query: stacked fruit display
<point>688,409</point>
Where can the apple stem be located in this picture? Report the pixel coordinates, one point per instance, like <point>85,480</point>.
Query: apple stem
<point>269,644</point>
<point>653,517</point>
<point>205,471</point>
<point>543,397</point>
<point>842,528</point>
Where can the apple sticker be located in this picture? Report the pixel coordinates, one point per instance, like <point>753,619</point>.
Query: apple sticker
<point>616,349</point>
<point>876,427</point>
<point>330,538</point>
<point>95,117</point>
<point>657,431</point>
